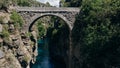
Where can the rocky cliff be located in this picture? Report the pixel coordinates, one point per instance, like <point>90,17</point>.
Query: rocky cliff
<point>17,48</point>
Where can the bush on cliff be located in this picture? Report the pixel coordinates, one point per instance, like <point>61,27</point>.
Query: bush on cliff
<point>16,18</point>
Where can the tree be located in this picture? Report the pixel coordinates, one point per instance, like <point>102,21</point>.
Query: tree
<point>73,3</point>
<point>47,4</point>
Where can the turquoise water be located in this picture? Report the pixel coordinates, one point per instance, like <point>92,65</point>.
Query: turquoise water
<point>43,59</point>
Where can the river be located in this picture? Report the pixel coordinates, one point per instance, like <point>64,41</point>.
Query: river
<point>43,59</point>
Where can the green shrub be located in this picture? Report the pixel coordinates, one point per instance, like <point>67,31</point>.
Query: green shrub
<point>18,21</point>
<point>41,28</point>
<point>28,34</point>
<point>5,35</point>
<point>24,3</point>
<point>1,19</point>
<point>54,32</point>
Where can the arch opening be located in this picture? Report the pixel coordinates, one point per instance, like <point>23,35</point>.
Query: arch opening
<point>58,54</point>
<point>56,15</point>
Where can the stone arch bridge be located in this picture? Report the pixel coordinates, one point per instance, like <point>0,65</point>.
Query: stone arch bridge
<point>31,14</point>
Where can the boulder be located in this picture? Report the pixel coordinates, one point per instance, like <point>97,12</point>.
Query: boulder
<point>2,54</point>
<point>11,27</point>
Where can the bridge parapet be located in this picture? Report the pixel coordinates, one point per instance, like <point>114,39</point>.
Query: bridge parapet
<point>47,9</point>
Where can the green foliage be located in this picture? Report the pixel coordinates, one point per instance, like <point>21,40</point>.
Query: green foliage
<point>24,3</point>
<point>5,33</point>
<point>18,21</point>
<point>72,3</point>
<point>1,19</point>
<point>28,34</point>
<point>97,32</point>
<point>47,4</point>
<point>54,31</point>
<point>4,5</point>
<point>41,28</point>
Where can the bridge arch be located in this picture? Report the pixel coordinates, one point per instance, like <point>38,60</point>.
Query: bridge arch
<point>69,28</point>
<point>50,14</point>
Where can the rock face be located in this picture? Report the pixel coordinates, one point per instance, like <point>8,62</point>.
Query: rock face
<point>16,47</point>
<point>9,61</point>
<point>59,47</point>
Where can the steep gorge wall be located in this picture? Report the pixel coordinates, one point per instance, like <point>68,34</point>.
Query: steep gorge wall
<point>16,47</point>
<point>59,46</point>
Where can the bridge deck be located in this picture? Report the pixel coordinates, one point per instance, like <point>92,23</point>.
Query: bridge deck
<point>48,9</point>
